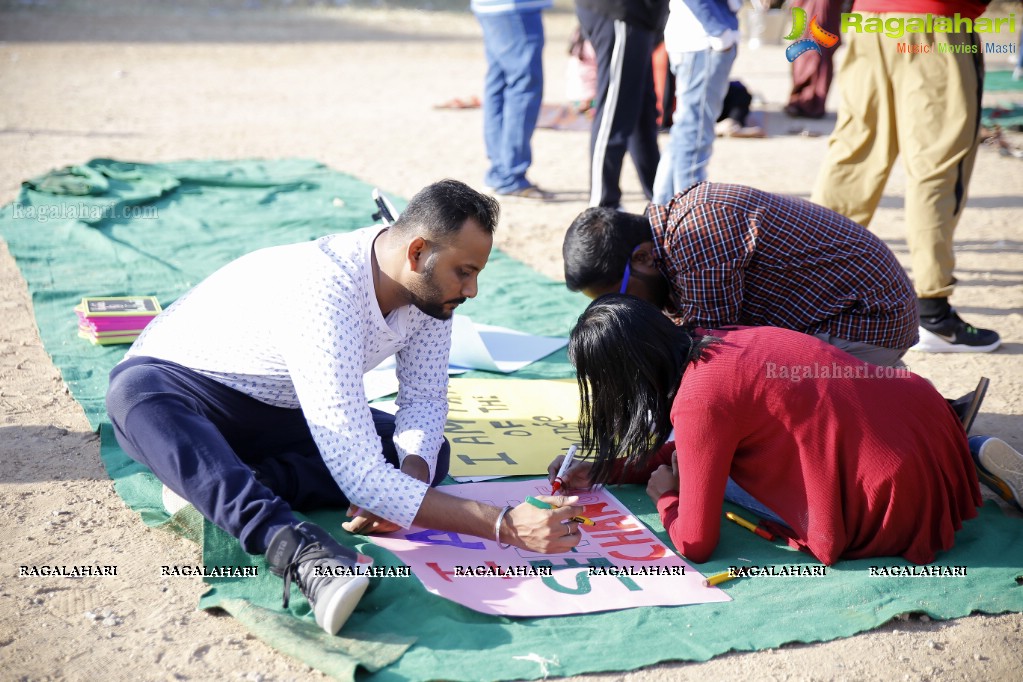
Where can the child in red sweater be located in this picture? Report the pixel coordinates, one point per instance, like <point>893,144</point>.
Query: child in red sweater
<point>855,459</point>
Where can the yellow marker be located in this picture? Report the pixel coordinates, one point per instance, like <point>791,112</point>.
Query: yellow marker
<point>748,526</point>
<point>717,578</point>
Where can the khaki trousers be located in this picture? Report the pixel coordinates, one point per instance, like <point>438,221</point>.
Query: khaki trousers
<point>924,105</point>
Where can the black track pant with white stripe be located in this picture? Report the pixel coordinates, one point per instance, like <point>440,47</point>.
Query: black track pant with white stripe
<point>625,103</point>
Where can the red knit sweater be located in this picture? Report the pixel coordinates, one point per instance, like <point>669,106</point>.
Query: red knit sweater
<point>858,467</point>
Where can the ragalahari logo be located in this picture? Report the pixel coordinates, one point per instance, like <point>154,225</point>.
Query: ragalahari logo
<point>817,38</point>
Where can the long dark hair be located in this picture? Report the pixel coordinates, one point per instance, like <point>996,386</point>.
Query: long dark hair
<point>629,360</point>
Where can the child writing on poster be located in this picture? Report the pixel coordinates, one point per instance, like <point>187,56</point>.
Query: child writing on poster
<point>853,459</point>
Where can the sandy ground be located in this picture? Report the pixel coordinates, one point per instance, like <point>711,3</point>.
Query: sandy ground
<point>353,86</point>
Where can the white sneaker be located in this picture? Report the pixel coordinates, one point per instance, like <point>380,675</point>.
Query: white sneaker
<point>337,602</point>
<point>173,502</point>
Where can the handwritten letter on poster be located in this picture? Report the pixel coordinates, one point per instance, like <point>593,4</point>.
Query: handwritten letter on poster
<point>510,427</point>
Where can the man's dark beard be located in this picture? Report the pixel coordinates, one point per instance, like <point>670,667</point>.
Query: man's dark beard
<point>426,298</point>
<point>434,309</point>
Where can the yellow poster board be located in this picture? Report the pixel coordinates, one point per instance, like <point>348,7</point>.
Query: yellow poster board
<point>512,427</point>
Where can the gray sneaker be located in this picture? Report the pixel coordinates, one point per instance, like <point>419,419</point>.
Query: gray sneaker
<point>1000,467</point>
<point>323,570</point>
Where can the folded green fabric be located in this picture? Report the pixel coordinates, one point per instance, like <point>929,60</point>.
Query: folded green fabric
<point>73,180</point>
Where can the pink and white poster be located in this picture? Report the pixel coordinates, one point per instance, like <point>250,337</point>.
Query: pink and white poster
<point>619,564</point>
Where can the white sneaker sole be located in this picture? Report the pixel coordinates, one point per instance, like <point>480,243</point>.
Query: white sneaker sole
<point>173,502</point>
<point>333,613</point>
<point>1001,460</point>
<point>932,343</point>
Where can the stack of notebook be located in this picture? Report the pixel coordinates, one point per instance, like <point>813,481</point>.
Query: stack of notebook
<point>107,320</point>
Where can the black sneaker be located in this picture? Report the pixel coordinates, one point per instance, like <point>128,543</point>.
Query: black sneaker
<point>308,555</point>
<point>968,406</point>
<point>949,334</point>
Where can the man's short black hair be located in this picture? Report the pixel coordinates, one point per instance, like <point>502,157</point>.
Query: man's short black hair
<point>442,208</point>
<point>598,244</point>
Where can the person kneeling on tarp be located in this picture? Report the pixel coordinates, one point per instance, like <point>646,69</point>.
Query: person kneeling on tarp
<point>246,396</point>
<point>849,460</point>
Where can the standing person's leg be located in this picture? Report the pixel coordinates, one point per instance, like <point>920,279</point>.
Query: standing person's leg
<point>863,146</point>
<point>938,125</point>
<point>683,67</point>
<point>805,72</point>
<point>937,109</point>
<point>737,104</point>
<point>603,34</point>
<point>830,19</point>
<point>812,71</point>
<point>702,83</point>
<point>494,84</point>
<point>623,56</point>
<point>514,90</point>
<point>642,144</point>
<point>524,93</point>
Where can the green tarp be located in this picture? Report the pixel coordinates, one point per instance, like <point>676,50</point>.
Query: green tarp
<point>1000,80</point>
<point>120,228</point>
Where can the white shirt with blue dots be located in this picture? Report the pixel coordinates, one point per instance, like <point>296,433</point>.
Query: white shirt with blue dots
<point>298,326</point>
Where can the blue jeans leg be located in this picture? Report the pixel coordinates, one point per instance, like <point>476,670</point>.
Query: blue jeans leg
<point>512,92</point>
<point>738,496</point>
<point>245,465</point>
<point>701,85</point>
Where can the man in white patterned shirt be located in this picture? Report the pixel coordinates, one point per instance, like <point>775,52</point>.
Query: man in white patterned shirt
<point>246,397</point>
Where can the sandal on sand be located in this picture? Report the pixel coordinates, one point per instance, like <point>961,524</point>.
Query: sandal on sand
<point>460,103</point>
<point>529,192</point>
<point>968,406</point>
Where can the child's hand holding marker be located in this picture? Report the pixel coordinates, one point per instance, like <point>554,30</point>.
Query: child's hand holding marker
<point>568,473</point>
<point>566,464</point>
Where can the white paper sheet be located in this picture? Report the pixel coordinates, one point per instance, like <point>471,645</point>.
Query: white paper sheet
<point>497,349</point>
<point>473,346</point>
